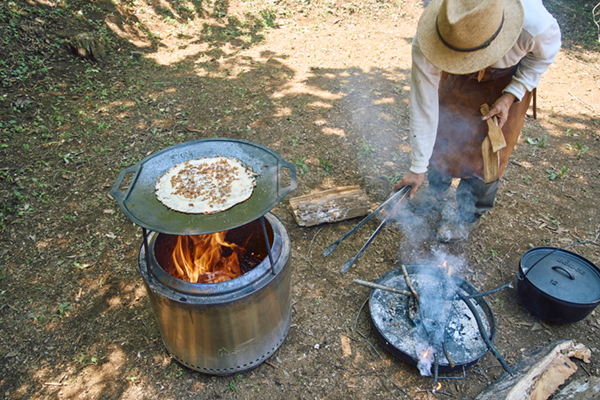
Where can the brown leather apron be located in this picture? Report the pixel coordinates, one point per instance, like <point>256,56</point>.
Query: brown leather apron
<point>457,149</point>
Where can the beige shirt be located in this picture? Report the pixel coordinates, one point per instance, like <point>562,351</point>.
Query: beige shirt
<point>535,50</point>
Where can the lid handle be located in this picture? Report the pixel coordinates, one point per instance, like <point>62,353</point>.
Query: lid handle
<point>565,271</point>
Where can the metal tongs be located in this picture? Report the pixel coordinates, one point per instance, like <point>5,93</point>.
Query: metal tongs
<point>401,195</point>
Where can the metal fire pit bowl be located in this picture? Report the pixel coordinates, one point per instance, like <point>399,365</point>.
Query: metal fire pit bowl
<point>396,331</point>
<point>228,327</point>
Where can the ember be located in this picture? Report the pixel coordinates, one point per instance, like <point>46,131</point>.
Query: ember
<point>447,269</point>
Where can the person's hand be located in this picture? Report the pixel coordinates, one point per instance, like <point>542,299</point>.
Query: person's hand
<point>500,109</point>
<point>411,179</point>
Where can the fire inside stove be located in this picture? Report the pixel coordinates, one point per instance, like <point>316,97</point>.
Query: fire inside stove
<point>211,258</point>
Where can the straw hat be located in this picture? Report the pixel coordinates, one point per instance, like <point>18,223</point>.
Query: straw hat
<point>465,36</point>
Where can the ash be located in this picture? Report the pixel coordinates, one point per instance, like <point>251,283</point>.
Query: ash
<point>390,315</point>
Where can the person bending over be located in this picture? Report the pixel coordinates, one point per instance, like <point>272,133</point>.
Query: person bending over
<point>467,53</point>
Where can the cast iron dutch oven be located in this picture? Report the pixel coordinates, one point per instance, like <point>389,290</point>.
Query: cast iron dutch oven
<point>557,284</point>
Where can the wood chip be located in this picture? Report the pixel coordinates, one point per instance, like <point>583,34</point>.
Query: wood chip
<point>346,349</point>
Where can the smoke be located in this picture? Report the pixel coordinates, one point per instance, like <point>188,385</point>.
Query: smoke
<point>435,287</point>
<point>414,226</point>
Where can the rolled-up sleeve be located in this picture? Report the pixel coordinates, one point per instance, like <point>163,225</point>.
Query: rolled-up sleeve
<point>424,109</point>
<point>542,50</point>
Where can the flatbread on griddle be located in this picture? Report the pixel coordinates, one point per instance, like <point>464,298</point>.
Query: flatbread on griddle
<point>205,185</point>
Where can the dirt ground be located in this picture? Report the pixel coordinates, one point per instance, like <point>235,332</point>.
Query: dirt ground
<point>325,84</point>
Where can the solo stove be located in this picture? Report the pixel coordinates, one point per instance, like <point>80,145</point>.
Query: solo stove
<point>227,327</point>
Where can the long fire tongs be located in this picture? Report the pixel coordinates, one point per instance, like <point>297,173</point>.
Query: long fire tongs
<point>334,246</point>
<point>403,195</point>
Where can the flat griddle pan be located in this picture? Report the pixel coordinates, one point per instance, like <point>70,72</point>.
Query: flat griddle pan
<point>139,203</point>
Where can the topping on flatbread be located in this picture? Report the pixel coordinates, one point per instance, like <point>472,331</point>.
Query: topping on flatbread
<point>205,185</point>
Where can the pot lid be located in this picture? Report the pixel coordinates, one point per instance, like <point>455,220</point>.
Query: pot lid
<point>562,274</point>
<point>139,203</point>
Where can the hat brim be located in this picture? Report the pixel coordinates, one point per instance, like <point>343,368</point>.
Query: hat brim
<point>458,62</point>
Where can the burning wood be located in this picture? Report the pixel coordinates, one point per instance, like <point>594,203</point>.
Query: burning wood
<point>444,329</point>
<point>410,286</point>
<point>447,268</point>
<point>200,259</point>
<point>383,287</point>
<point>425,359</point>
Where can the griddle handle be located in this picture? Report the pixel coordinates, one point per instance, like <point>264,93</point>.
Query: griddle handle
<point>115,192</point>
<point>282,191</point>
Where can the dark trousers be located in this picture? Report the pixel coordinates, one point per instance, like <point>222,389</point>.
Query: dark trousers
<point>474,196</point>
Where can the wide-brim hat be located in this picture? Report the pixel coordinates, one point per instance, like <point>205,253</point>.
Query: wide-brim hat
<point>465,36</point>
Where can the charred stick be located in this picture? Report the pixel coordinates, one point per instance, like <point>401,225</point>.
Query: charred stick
<point>360,311</point>
<point>436,392</point>
<point>456,378</point>
<point>409,284</point>
<point>366,340</point>
<point>436,366</point>
<point>382,287</point>
<point>446,353</point>
<point>484,334</point>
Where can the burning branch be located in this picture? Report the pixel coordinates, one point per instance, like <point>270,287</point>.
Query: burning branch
<point>410,286</point>
<point>447,353</point>
<point>382,287</point>
<point>436,365</point>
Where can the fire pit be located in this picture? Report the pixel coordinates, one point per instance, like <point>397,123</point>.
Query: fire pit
<point>228,320</point>
<point>227,327</point>
<point>447,320</point>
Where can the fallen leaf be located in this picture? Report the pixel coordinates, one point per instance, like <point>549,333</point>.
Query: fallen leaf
<point>81,266</point>
<point>346,349</point>
<point>537,327</point>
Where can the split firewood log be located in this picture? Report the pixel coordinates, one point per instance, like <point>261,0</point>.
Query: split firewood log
<point>586,388</point>
<point>331,205</point>
<point>538,375</point>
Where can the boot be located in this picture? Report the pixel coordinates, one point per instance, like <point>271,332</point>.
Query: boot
<point>427,199</point>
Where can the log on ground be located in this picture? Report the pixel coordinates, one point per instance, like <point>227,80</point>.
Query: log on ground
<point>331,205</point>
<point>538,375</point>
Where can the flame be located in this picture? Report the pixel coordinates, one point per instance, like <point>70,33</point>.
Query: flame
<point>448,269</point>
<point>199,258</point>
<point>425,358</point>
<point>438,386</point>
